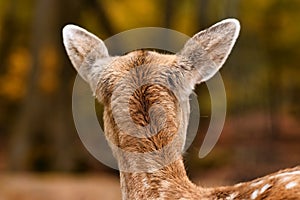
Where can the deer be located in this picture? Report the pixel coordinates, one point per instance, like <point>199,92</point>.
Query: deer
<point>146,111</point>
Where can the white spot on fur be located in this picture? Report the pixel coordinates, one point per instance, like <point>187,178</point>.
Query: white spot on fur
<point>238,185</point>
<point>165,184</point>
<point>285,174</point>
<point>263,189</point>
<point>232,196</point>
<point>256,183</point>
<point>145,183</point>
<point>254,194</point>
<point>286,179</point>
<point>291,185</point>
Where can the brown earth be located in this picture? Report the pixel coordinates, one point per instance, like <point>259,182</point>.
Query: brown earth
<point>58,187</point>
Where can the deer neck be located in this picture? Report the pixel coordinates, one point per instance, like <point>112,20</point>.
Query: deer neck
<point>147,143</point>
<point>170,181</point>
<point>152,174</point>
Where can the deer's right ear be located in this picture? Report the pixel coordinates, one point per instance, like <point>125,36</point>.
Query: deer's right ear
<point>205,53</point>
<point>87,53</point>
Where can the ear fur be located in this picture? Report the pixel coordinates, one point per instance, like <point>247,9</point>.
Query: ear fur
<point>207,50</point>
<point>84,50</point>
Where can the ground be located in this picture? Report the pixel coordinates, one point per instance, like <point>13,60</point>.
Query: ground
<point>58,186</point>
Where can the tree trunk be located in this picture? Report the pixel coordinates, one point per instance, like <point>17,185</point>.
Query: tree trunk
<point>43,134</point>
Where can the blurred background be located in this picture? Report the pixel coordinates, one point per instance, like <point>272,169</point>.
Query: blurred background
<point>41,155</point>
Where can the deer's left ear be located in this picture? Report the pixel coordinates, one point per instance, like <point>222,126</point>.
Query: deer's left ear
<point>87,53</point>
<point>207,51</point>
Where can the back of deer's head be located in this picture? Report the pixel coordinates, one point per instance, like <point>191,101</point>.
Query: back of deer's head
<point>145,93</point>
